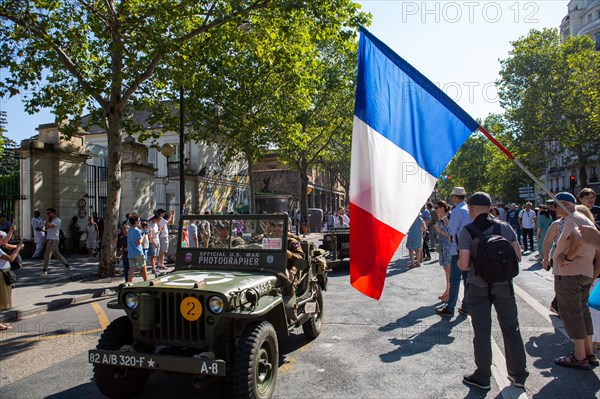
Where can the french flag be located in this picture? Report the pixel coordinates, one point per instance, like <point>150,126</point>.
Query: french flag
<point>406,130</point>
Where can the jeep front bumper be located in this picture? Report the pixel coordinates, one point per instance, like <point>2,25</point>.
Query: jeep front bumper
<point>150,361</point>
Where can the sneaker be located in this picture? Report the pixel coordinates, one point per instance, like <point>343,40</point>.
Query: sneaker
<point>444,312</point>
<point>515,383</point>
<point>44,272</point>
<point>463,311</point>
<point>427,258</point>
<point>593,360</point>
<point>469,380</point>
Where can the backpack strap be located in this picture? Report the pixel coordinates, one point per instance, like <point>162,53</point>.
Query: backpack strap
<point>497,228</point>
<point>474,231</point>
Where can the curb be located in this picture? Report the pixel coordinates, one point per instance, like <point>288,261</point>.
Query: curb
<point>13,315</point>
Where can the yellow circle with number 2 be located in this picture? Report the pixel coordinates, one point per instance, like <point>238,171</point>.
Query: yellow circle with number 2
<point>190,308</point>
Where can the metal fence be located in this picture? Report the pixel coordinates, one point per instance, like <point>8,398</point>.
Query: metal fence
<point>97,187</point>
<point>10,193</point>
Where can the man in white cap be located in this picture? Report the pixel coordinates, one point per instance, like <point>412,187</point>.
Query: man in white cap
<point>460,218</point>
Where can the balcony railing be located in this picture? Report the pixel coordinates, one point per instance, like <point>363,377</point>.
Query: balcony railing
<point>556,170</point>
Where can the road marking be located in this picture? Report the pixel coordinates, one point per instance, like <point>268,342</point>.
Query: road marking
<point>500,374</point>
<point>47,337</point>
<point>541,309</point>
<point>102,318</point>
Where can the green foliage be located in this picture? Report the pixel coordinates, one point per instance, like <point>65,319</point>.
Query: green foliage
<point>278,85</point>
<point>9,158</point>
<point>480,166</point>
<point>551,92</point>
<point>111,56</point>
<point>468,168</point>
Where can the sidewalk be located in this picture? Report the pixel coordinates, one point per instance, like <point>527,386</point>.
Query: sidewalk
<point>34,293</point>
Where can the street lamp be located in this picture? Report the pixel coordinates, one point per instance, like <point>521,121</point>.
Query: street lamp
<point>168,150</point>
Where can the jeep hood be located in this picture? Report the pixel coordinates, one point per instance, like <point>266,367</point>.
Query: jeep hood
<point>223,282</point>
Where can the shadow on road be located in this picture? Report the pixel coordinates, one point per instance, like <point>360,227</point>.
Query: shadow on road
<point>418,337</point>
<point>544,349</point>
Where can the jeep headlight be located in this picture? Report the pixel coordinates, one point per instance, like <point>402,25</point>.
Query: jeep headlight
<point>132,300</point>
<point>216,304</point>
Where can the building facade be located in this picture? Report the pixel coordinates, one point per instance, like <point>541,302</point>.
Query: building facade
<point>270,175</point>
<point>583,18</point>
<point>71,175</point>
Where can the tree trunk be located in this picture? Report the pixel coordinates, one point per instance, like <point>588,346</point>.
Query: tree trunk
<point>581,164</point>
<point>113,196</point>
<point>303,170</point>
<point>252,205</point>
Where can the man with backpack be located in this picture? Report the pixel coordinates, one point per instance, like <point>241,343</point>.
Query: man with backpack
<point>490,252</point>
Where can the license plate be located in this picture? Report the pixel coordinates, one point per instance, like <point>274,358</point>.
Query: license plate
<point>310,307</point>
<point>150,361</point>
<point>345,245</point>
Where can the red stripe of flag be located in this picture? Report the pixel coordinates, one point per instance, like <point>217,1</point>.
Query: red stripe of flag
<point>372,246</point>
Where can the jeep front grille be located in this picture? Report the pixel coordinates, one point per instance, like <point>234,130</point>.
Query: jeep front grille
<point>171,327</point>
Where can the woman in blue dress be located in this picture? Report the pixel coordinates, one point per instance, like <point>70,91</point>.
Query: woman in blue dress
<point>414,242</point>
<point>442,209</point>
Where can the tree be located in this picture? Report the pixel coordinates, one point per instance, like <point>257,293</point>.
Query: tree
<point>503,177</point>
<point>551,92</point>
<point>9,158</point>
<point>105,56</point>
<point>468,168</point>
<point>254,91</point>
<point>326,124</point>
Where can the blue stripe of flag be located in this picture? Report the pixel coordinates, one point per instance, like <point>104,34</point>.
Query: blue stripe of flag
<point>397,101</point>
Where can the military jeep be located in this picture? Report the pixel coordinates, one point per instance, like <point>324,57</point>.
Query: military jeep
<point>217,314</point>
<point>337,245</point>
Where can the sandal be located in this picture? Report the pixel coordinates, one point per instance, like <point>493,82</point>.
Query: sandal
<point>571,361</point>
<point>4,327</point>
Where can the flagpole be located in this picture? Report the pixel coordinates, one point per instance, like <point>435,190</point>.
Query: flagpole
<point>523,168</point>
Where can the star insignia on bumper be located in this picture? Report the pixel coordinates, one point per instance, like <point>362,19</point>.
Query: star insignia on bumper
<point>151,363</point>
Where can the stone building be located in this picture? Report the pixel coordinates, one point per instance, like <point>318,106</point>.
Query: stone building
<point>270,175</point>
<point>71,176</point>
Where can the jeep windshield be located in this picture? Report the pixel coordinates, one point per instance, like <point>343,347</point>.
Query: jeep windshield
<point>232,242</point>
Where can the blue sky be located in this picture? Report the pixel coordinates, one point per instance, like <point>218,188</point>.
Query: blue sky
<point>456,44</point>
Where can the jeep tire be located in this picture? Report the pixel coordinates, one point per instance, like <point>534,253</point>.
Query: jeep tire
<point>118,382</point>
<point>256,362</point>
<point>313,326</point>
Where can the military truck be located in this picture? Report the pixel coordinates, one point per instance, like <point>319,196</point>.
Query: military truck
<point>217,314</point>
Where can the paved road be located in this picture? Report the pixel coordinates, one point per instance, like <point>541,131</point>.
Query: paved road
<point>394,348</point>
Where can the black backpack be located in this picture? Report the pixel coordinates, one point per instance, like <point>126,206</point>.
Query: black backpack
<point>495,259</point>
